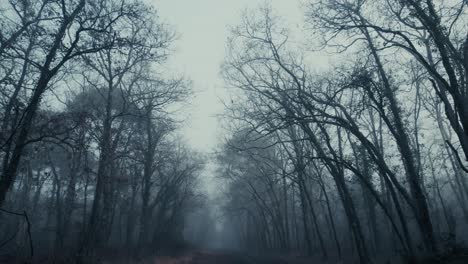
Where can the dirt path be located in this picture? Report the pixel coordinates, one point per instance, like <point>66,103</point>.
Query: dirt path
<point>230,258</point>
<point>211,258</point>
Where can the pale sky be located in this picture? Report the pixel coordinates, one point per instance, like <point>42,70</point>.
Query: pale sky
<point>203,28</point>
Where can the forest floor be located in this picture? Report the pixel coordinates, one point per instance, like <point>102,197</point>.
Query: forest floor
<point>226,257</point>
<point>196,257</point>
<point>219,257</point>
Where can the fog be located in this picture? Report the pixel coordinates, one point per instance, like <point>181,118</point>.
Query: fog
<point>170,131</point>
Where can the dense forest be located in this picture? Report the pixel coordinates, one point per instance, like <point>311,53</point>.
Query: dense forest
<point>367,158</point>
<point>364,160</point>
<point>91,156</point>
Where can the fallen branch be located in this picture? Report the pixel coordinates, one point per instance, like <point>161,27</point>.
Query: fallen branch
<point>28,229</point>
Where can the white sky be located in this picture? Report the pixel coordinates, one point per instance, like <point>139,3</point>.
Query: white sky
<point>203,27</point>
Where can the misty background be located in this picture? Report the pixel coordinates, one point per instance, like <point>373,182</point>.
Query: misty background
<point>209,131</point>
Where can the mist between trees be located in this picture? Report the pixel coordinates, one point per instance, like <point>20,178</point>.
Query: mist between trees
<point>89,142</point>
<point>365,162</point>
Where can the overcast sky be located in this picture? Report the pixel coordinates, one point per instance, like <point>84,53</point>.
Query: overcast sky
<point>203,27</point>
